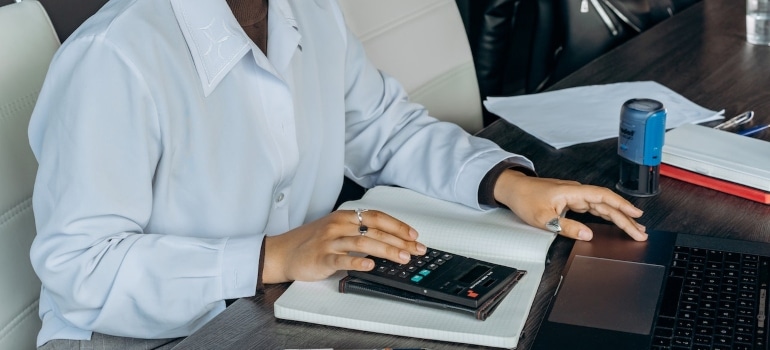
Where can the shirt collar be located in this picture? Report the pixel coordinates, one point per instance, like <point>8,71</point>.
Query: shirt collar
<point>217,42</point>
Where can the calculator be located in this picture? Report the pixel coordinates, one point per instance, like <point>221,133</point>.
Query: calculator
<point>444,276</point>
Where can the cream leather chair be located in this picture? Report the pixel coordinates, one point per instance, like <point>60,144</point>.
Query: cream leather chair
<point>27,44</point>
<point>423,44</point>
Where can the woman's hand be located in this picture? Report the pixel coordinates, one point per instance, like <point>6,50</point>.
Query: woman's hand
<point>538,200</point>
<point>316,250</point>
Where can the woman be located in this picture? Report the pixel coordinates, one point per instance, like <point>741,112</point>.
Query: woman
<point>190,151</point>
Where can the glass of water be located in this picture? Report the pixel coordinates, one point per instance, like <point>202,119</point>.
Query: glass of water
<point>758,22</point>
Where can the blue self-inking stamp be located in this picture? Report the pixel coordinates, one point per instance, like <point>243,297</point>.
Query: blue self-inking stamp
<point>640,146</point>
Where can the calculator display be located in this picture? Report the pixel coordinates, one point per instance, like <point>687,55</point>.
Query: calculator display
<point>473,274</point>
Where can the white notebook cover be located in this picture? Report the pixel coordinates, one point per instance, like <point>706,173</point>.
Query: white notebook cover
<point>497,236</point>
<point>719,154</point>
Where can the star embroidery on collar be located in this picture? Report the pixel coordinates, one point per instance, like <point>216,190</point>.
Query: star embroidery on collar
<point>216,37</point>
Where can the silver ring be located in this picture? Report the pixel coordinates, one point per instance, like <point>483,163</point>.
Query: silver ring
<point>553,225</point>
<point>362,229</point>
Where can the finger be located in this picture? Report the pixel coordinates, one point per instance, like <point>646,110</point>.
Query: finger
<point>591,196</point>
<point>385,223</point>
<point>337,262</point>
<point>626,223</point>
<point>369,246</point>
<point>631,227</point>
<point>413,247</point>
<point>575,230</point>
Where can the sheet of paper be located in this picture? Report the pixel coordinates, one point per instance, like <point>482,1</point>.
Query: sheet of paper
<point>571,116</point>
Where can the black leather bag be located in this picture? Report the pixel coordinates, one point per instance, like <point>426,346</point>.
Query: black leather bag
<point>524,46</point>
<point>593,27</point>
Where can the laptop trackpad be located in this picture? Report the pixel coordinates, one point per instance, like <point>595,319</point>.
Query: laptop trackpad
<point>609,294</point>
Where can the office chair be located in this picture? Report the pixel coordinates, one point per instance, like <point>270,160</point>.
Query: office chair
<point>27,44</point>
<point>424,46</point>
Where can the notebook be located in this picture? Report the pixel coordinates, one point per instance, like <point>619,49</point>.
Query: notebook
<point>675,291</point>
<point>719,154</point>
<point>496,236</point>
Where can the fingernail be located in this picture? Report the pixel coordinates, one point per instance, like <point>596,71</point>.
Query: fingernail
<point>367,264</point>
<point>421,248</point>
<point>584,235</point>
<point>404,256</point>
<point>412,233</point>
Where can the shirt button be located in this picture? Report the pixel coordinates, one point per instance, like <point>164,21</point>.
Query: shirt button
<point>279,197</point>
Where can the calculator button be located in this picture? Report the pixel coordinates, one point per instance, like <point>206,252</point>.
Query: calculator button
<point>424,272</point>
<point>432,266</point>
<point>419,263</point>
<point>416,278</point>
<point>439,261</point>
<point>411,268</point>
<point>382,269</point>
<point>446,256</point>
<point>435,253</point>
<point>403,274</point>
<point>392,271</point>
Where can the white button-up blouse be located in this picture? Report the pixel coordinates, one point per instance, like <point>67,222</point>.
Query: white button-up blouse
<point>169,146</point>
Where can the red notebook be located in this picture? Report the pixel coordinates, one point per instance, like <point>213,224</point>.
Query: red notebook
<point>747,192</point>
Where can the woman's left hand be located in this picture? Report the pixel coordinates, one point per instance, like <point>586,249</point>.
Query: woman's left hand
<point>539,200</point>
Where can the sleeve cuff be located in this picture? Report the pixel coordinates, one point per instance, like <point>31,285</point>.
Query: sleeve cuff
<point>241,266</point>
<point>487,185</point>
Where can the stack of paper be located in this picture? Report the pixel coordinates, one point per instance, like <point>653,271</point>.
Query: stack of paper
<point>720,160</point>
<point>566,117</point>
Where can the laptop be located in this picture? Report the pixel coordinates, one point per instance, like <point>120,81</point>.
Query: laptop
<point>674,291</point>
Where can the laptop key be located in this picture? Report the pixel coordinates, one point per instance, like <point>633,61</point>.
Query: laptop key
<point>680,341</point>
<point>683,332</point>
<point>744,338</point>
<point>671,297</point>
<point>700,330</point>
<point>662,342</point>
<point>664,333</point>
<point>665,322</point>
<point>702,339</point>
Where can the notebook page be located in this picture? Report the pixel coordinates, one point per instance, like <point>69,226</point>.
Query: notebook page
<point>321,303</point>
<point>496,236</point>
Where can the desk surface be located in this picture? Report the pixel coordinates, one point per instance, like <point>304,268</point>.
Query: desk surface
<point>700,53</point>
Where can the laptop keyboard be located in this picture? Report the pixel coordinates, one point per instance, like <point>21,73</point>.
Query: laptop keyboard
<point>713,300</point>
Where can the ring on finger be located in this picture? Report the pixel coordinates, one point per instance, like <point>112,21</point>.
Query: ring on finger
<point>362,229</point>
<point>553,225</point>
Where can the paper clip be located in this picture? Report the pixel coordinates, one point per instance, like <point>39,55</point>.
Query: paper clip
<point>740,119</point>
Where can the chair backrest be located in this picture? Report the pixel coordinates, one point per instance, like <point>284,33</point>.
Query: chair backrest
<point>67,16</point>
<point>422,44</point>
<point>27,44</point>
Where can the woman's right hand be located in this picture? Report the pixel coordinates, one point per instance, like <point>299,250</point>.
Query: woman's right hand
<point>317,250</point>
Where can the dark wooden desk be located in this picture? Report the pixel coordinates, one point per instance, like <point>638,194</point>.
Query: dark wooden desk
<point>700,53</point>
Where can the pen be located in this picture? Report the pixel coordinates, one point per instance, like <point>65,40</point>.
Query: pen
<point>740,119</point>
<point>754,130</point>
